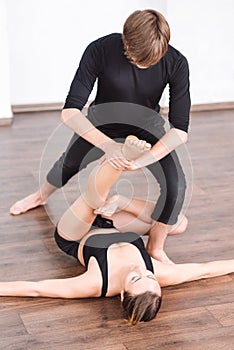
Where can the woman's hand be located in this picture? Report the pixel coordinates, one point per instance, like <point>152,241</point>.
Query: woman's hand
<point>114,156</point>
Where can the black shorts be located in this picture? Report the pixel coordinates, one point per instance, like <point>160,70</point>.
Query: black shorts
<point>68,247</point>
<point>71,247</point>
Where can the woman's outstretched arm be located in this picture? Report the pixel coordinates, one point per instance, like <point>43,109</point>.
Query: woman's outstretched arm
<point>179,273</point>
<point>83,286</point>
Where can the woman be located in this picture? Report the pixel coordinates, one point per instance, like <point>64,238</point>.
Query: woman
<point>116,263</point>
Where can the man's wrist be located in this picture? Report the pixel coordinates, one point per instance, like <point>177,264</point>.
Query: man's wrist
<point>104,146</point>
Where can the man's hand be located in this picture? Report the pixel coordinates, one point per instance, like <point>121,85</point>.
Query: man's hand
<point>114,156</point>
<point>170,141</point>
<point>146,159</point>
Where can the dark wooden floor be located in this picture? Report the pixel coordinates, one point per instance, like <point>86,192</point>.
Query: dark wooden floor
<point>195,316</point>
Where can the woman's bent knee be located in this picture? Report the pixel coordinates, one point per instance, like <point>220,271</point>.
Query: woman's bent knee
<point>93,201</point>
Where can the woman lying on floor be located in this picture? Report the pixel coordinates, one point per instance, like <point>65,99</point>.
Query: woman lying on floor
<point>116,263</point>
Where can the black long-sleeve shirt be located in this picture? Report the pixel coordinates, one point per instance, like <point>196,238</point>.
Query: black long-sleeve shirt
<point>118,80</point>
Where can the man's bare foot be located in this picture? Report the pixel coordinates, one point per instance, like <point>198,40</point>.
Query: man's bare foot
<point>112,205</point>
<point>133,148</point>
<point>30,202</point>
<point>159,255</point>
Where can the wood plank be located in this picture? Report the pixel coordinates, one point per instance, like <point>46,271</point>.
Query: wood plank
<point>196,315</point>
<point>224,313</point>
<point>222,338</point>
<point>100,330</point>
<point>15,342</point>
<point>11,323</point>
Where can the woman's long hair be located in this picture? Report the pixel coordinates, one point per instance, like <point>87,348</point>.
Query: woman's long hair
<point>142,307</point>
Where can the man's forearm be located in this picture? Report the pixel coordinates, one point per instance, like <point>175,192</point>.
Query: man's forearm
<point>170,141</point>
<point>75,120</point>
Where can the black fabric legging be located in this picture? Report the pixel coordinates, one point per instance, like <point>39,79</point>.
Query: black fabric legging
<point>167,171</point>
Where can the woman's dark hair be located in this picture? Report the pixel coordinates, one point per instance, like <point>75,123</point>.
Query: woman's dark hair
<point>145,36</point>
<point>142,307</point>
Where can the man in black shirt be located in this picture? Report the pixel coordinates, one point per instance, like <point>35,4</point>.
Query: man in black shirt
<point>132,70</point>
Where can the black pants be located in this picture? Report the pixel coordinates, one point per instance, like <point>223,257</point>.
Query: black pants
<point>167,171</point>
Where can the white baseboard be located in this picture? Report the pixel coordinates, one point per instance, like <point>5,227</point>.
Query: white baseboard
<point>44,107</point>
<point>6,121</point>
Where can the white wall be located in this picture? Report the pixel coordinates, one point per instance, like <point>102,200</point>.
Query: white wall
<point>5,100</point>
<point>47,38</point>
<point>204,32</point>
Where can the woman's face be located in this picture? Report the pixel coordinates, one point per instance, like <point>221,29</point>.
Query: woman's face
<point>140,280</point>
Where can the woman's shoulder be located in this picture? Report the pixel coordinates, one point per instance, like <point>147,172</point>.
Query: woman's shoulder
<point>160,271</point>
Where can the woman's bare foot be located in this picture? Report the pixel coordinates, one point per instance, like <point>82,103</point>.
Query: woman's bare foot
<point>133,148</point>
<point>30,202</point>
<point>112,205</point>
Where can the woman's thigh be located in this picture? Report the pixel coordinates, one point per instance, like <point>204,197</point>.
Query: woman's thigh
<point>126,222</point>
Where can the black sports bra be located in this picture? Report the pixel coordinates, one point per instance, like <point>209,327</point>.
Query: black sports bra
<point>97,245</point>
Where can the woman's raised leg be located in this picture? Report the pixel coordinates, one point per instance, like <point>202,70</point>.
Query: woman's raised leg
<point>76,221</point>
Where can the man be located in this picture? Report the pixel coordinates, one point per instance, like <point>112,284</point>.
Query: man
<point>132,70</point>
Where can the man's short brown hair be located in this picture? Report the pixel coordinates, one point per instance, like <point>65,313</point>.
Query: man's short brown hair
<point>145,35</point>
